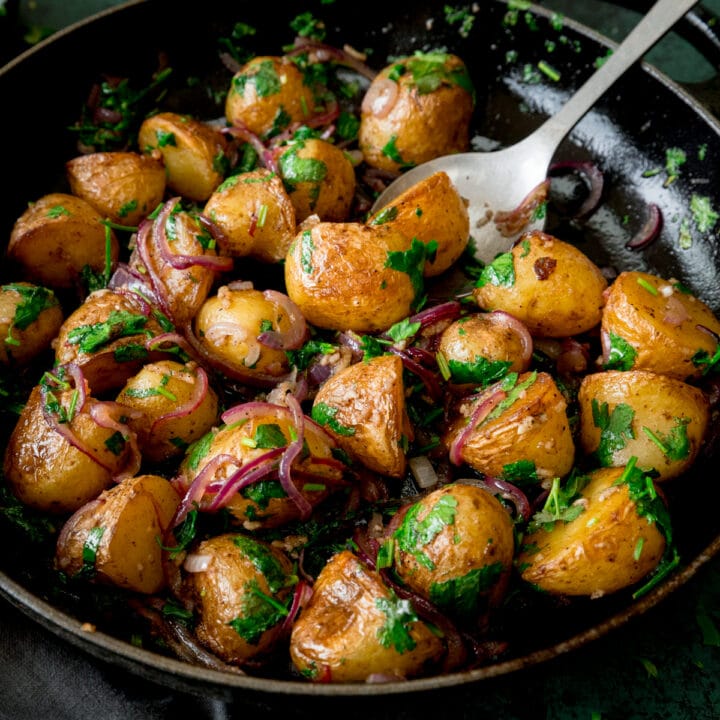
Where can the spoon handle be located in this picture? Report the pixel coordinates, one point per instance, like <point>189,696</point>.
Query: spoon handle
<point>656,23</point>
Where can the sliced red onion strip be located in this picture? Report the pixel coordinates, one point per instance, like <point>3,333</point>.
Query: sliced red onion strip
<point>447,311</point>
<point>200,391</point>
<point>80,384</point>
<point>323,53</point>
<point>298,333</point>
<point>432,385</point>
<point>485,405</point>
<point>142,246</point>
<point>650,230</point>
<point>594,177</point>
<point>102,413</point>
<point>511,222</point>
<point>194,494</point>
<point>301,596</point>
<point>519,328</point>
<point>509,492</point>
<point>250,473</point>
<point>217,263</point>
<point>291,453</point>
<point>254,409</point>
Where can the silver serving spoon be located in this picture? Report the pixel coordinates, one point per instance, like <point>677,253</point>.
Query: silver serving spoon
<point>499,180</point>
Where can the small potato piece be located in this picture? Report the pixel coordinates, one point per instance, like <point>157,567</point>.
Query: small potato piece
<point>320,179</point>
<point>338,276</point>
<point>609,546</point>
<point>58,236</point>
<point>267,94</point>
<point>193,153</point>
<point>481,348</point>
<point>432,209</point>
<point>175,407</point>
<point>416,109</point>
<point>363,407</point>
<point>635,413</point>
<point>230,596</point>
<point>557,291</point>
<point>229,326</point>
<point>107,337</point>
<point>30,317</point>
<point>255,214</point>
<point>57,467</point>
<point>122,186</point>
<point>652,324</point>
<point>255,437</point>
<point>488,434</point>
<point>120,530</point>
<point>342,633</point>
<point>179,257</point>
<point>464,566</point>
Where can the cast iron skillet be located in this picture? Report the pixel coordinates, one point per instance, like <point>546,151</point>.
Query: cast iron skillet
<point>627,134</point>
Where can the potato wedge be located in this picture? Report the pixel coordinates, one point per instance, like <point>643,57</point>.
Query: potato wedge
<point>658,419</point>
<point>649,323</point>
<point>117,538</point>
<point>363,407</point>
<point>607,547</point>
<point>341,633</point>
<point>549,285</point>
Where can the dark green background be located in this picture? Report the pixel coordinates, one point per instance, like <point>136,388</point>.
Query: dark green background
<point>664,665</point>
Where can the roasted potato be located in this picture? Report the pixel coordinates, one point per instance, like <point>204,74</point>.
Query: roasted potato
<point>255,214</point>
<point>57,238</point>
<point>658,419</point>
<point>117,538</point>
<point>233,324</point>
<point>254,438</point>
<point>235,585</point>
<point>649,323</point>
<point>463,565</point>
<point>549,285</point>
<point>173,406</point>
<point>416,109</point>
<point>179,256</point>
<point>432,209</point>
<point>612,544</point>
<point>521,418</point>
<point>30,317</point>
<point>124,187</point>
<point>193,153</point>
<point>61,453</point>
<point>319,178</point>
<point>343,633</point>
<point>110,337</point>
<point>267,94</point>
<point>363,407</point>
<point>480,348</point>
<point>341,278</point>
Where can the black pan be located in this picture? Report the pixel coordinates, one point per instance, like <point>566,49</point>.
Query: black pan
<point>627,134</point>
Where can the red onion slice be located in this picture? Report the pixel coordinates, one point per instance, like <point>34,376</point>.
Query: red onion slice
<point>518,328</point>
<point>594,178</point>
<point>485,405</point>
<point>291,453</point>
<point>105,413</point>
<point>200,391</point>
<point>649,232</point>
<point>511,222</point>
<point>298,333</point>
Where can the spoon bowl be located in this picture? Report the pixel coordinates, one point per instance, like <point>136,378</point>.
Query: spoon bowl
<point>500,181</point>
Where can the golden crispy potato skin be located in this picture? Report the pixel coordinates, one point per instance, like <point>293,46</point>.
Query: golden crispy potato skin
<point>418,123</point>
<point>56,237</point>
<point>123,527</point>
<point>267,88</point>
<point>474,546</point>
<point>108,365</point>
<point>255,214</point>
<point>339,634</point>
<point>494,337</point>
<point>24,335</point>
<point>175,407</point>
<point>662,324</point>
<point>430,210</point>
<point>364,405</point>
<point>122,186</point>
<point>47,472</point>
<point>191,150</point>
<point>534,427</point>
<point>557,291</point>
<point>319,178</point>
<point>224,596</point>
<point>337,275</point>
<point>607,547</point>
<point>665,420</point>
